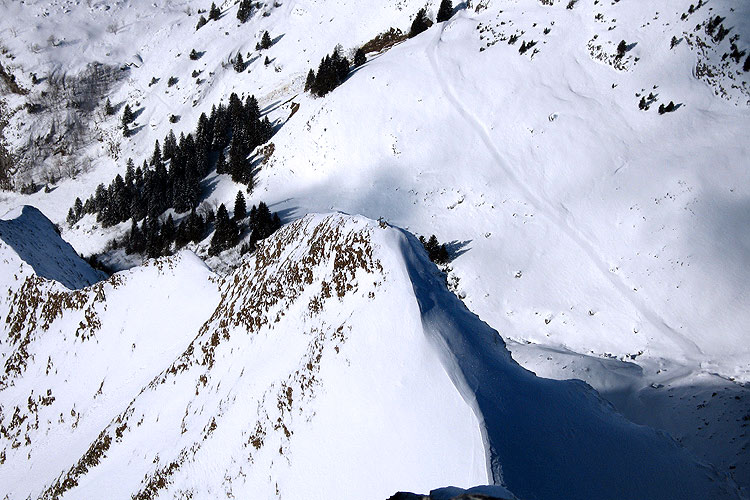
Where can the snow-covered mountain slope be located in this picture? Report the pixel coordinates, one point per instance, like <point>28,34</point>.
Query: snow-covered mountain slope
<point>604,242</point>
<point>332,363</point>
<point>26,235</point>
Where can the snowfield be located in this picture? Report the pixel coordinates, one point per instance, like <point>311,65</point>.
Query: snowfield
<point>592,239</point>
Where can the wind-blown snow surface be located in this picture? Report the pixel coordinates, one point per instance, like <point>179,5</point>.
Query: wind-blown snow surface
<point>332,363</point>
<point>603,242</point>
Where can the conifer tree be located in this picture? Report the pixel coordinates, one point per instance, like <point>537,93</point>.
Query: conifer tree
<point>359,58</point>
<point>245,10</point>
<point>127,116</point>
<point>221,163</point>
<point>239,63</point>
<point>240,206</point>
<point>214,13</point>
<point>78,209</point>
<point>108,109</point>
<point>201,23</point>
<point>156,156</point>
<point>71,218</point>
<point>420,23</point>
<point>621,48</point>
<point>265,41</point>
<point>310,81</point>
<point>225,232</point>
<point>445,11</point>
<point>168,233</point>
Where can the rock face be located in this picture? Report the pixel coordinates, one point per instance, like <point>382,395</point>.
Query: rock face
<point>331,363</point>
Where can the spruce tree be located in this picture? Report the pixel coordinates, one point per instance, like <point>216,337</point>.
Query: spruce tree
<point>156,156</point>
<point>239,63</point>
<point>265,41</point>
<point>168,233</point>
<point>214,13</point>
<point>445,11</point>
<point>621,48</point>
<point>78,209</point>
<point>359,57</point>
<point>127,116</point>
<point>221,163</point>
<point>240,206</point>
<point>310,81</point>
<point>108,109</point>
<point>245,10</point>
<point>201,23</point>
<point>420,23</point>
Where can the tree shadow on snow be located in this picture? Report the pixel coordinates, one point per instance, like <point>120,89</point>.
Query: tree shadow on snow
<point>457,248</point>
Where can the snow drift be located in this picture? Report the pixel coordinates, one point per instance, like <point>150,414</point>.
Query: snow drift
<point>331,363</point>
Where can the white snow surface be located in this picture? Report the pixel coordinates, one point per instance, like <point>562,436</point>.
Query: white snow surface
<point>602,242</point>
<point>332,363</point>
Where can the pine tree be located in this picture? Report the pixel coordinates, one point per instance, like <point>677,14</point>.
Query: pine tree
<point>214,13</point>
<point>746,66</point>
<point>421,23</point>
<point>201,23</point>
<point>310,81</point>
<point>194,56</point>
<point>642,105</point>
<point>108,109</point>
<point>359,58</point>
<point>239,63</point>
<point>267,61</point>
<point>445,11</point>
<point>71,219</point>
<point>265,41</point>
<point>240,206</point>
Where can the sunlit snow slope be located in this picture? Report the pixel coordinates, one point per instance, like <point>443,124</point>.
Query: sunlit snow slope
<point>332,363</point>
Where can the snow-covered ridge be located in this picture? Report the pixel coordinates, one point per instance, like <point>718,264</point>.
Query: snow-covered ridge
<point>332,363</point>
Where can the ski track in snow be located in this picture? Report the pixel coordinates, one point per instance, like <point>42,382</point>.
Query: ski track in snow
<point>690,349</point>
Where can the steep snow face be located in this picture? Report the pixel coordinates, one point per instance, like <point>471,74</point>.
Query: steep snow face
<point>73,359</point>
<point>332,363</point>
<point>27,235</point>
